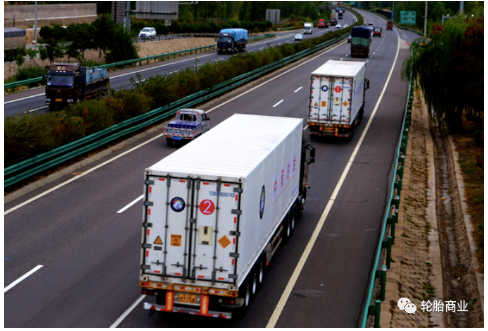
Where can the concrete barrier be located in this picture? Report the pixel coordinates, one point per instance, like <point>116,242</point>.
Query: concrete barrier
<point>63,14</point>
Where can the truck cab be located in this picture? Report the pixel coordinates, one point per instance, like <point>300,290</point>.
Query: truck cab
<point>188,124</point>
<point>307,28</point>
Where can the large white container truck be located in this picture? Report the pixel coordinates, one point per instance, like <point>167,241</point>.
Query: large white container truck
<point>337,97</point>
<point>216,210</point>
<point>308,28</point>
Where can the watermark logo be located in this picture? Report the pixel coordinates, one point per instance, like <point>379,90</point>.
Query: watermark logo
<point>407,305</point>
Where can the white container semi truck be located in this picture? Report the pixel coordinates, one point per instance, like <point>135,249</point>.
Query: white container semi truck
<point>337,98</point>
<point>216,210</point>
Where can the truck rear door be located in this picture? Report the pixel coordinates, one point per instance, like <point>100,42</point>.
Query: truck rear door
<point>319,100</point>
<point>340,100</point>
<point>191,228</point>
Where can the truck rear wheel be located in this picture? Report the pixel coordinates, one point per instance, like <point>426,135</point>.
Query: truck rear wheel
<point>260,265</point>
<point>245,293</point>
<point>169,141</point>
<point>288,231</point>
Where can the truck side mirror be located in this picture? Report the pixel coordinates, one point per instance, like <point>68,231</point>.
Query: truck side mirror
<point>366,84</point>
<point>312,153</point>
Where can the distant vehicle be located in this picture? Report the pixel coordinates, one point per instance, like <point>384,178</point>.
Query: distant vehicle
<point>349,39</point>
<point>307,28</point>
<point>345,25</point>
<point>360,41</point>
<point>212,219</point>
<point>337,9</point>
<point>188,124</point>
<point>147,33</point>
<point>333,21</point>
<point>389,25</point>
<point>231,40</point>
<point>70,83</point>
<point>338,26</point>
<point>377,31</point>
<point>353,19</point>
<point>323,24</point>
<point>337,93</point>
<point>298,37</point>
<point>370,24</point>
<point>340,14</point>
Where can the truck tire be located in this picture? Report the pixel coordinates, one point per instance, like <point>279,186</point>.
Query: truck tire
<point>260,265</point>
<point>52,107</point>
<point>245,293</point>
<point>169,141</point>
<point>287,231</point>
<point>254,282</point>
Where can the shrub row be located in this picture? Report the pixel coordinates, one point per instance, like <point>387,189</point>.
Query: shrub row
<point>30,134</point>
<point>177,27</point>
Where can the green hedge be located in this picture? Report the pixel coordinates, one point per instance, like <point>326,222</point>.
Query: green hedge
<point>30,134</point>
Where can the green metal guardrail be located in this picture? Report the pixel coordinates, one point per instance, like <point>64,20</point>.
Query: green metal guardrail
<point>391,218</point>
<point>139,60</point>
<point>61,154</point>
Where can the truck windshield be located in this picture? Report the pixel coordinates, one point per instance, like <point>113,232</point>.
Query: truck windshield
<point>308,28</point>
<point>60,80</point>
<point>225,39</point>
<point>188,117</point>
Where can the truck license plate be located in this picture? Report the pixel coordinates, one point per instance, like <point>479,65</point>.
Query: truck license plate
<point>59,100</point>
<point>187,298</point>
<point>176,138</point>
<point>328,129</point>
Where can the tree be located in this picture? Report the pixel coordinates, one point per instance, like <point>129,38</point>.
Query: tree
<point>449,70</point>
<point>20,55</point>
<point>52,36</point>
<point>81,37</point>
<point>104,27</point>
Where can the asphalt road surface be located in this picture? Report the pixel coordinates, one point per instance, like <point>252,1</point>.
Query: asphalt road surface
<point>90,254</point>
<point>34,99</point>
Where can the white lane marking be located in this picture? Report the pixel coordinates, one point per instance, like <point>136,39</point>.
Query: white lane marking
<point>342,58</point>
<point>305,128</point>
<point>367,61</point>
<point>296,273</point>
<point>130,204</point>
<point>374,53</point>
<point>33,110</point>
<point>371,56</point>
<point>127,312</point>
<point>347,55</point>
<point>22,278</point>
<point>79,176</point>
<point>266,82</point>
<point>298,89</point>
<point>278,103</point>
<point>32,96</point>
<point>158,136</point>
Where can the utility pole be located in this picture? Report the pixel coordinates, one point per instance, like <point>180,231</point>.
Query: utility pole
<point>461,7</point>
<point>35,26</point>
<point>425,22</point>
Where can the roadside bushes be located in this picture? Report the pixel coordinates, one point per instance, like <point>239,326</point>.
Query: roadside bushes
<point>31,134</point>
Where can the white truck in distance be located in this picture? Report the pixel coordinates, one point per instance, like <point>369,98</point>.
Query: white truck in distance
<point>188,124</point>
<point>307,28</point>
<point>337,94</point>
<point>217,209</point>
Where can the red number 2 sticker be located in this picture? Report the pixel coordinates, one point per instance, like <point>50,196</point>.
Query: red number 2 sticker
<point>207,207</point>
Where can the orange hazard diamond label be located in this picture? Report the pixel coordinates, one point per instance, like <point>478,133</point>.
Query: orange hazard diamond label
<point>323,103</point>
<point>316,104</point>
<point>224,241</point>
<point>345,103</point>
<point>158,241</point>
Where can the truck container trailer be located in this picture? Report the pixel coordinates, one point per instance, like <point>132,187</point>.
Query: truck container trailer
<point>69,83</point>
<point>337,97</point>
<point>232,41</point>
<point>360,41</point>
<point>216,210</point>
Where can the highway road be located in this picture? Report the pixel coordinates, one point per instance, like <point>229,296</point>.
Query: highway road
<point>72,247</point>
<point>35,98</point>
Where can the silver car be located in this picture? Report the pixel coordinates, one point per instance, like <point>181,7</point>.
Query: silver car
<point>298,37</point>
<point>338,26</point>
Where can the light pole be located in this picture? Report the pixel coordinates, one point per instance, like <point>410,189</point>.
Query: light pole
<point>425,21</point>
<point>461,7</point>
<point>35,26</point>
<point>392,8</point>
<point>443,17</point>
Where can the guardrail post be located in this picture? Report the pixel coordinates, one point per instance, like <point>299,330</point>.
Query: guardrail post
<point>377,311</point>
<point>383,282</point>
<point>389,242</point>
<point>392,228</point>
<point>147,58</point>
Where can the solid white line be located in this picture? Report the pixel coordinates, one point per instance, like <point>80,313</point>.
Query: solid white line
<point>32,96</point>
<point>210,110</point>
<point>33,110</point>
<point>305,128</point>
<point>79,176</point>
<point>296,273</point>
<point>127,312</point>
<point>22,278</point>
<point>278,103</point>
<point>298,89</point>
<point>130,204</point>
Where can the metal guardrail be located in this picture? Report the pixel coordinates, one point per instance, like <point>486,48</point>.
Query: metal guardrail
<point>139,60</point>
<point>30,167</point>
<point>390,220</point>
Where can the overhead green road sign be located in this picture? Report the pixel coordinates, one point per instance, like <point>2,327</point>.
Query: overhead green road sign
<point>407,17</point>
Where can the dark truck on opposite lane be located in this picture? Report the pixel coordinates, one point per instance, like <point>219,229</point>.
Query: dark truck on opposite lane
<point>70,83</point>
<point>231,40</point>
